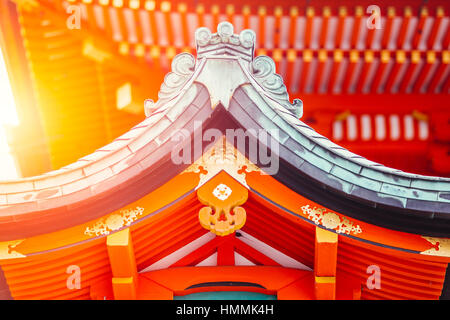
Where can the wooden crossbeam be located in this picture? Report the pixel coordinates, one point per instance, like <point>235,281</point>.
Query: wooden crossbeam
<point>325,260</point>
<point>123,265</point>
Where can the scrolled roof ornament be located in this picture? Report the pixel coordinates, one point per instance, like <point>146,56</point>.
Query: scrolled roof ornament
<point>263,70</point>
<point>182,69</point>
<point>202,36</point>
<point>247,38</point>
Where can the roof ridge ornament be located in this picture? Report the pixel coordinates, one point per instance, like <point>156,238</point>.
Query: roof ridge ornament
<point>264,72</point>
<point>225,42</point>
<point>240,67</point>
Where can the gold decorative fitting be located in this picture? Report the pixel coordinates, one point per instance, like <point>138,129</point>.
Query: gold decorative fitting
<point>441,247</point>
<point>222,156</point>
<point>330,220</point>
<point>7,250</point>
<point>222,196</point>
<point>114,222</point>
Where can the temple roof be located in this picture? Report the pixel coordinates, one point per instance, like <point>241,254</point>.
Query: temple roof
<point>224,86</point>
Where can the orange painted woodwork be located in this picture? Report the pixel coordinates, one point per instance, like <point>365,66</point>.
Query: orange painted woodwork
<point>124,288</point>
<point>223,195</point>
<point>171,225</point>
<point>325,261</point>
<point>325,288</point>
<point>121,254</point>
<point>325,253</point>
<point>123,265</point>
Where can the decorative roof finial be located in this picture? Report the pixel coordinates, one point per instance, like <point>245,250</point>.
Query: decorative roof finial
<point>237,51</point>
<point>225,42</point>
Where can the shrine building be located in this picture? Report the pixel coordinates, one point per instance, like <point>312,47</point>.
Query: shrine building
<point>224,190</point>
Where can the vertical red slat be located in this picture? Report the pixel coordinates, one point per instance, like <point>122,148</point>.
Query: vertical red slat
<point>420,25</point>
<point>150,7</point>
<point>437,77</point>
<point>385,58</point>
<point>340,26</point>
<point>308,29</point>
<point>278,13</point>
<point>320,75</point>
<point>404,27</point>
<point>215,11</point>
<point>246,13</point>
<point>356,26</point>
<point>262,26</point>
<point>293,26</point>
<point>352,63</point>
<point>118,8</point>
<point>413,65</point>
<point>326,13</point>
<point>306,62</point>
<point>446,40</point>
<point>106,18</point>
<point>291,57</point>
<point>166,9</point>
<point>429,62</point>
<point>337,59</point>
<point>388,27</point>
<point>91,18</point>
<point>137,21</point>
<point>229,10</point>
<point>182,10</point>
<point>436,25</point>
<point>277,56</point>
<point>368,60</point>
<point>200,10</point>
<point>400,59</point>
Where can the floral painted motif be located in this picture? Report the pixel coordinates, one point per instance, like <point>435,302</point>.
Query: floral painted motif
<point>222,192</point>
<point>114,222</point>
<point>331,220</point>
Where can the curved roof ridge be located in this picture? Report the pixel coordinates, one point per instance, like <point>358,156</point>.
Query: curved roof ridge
<point>121,154</point>
<point>225,64</point>
<point>336,167</point>
<point>351,156</point>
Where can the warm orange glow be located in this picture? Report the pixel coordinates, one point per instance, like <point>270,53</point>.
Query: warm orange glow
<point>8,116</point>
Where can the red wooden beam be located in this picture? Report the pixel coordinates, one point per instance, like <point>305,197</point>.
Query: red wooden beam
<point>429,62</point>
<point>278,13</point>
<point>400,59</point>
<point>404,27</point>
<point>340,27</point>
<point>306,63</point>
<point>201,253</point>
<point>420,25</point>
<point>225,251</point>
<point>357,26</point>
<point>385,59</point>
<point>262,12</point>
<point>325,262</point>
<point>440,72</point>
<point>252,254</point>
<point>435,29</point>
<point>368,60</point>
<point>388,27</point>
<point>337,63</point>
<point>293,26</point>
<point>352,63</point>
<point>326,13</point>
<point>413,65</point>
<point>309,26</point>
